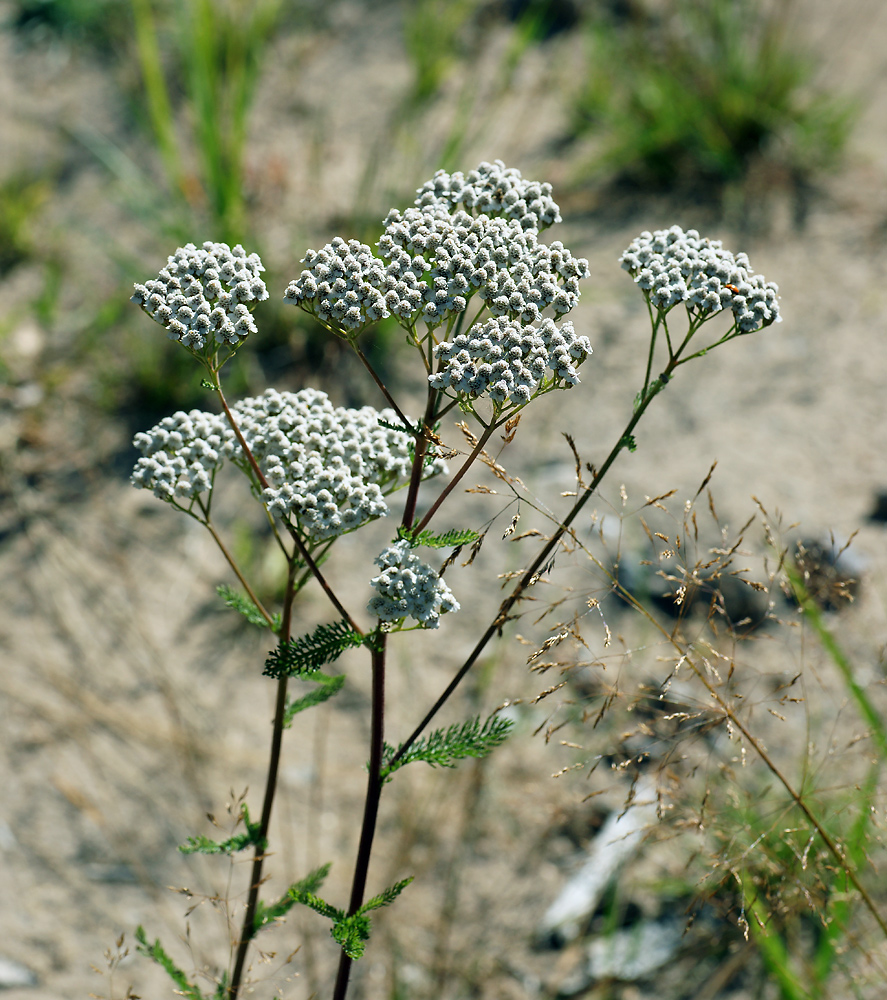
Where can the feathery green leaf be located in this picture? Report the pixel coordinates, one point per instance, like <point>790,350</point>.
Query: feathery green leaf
<point>443,747</point>
<point>156,953</point>
<point>411,429</point>
<point>352,933</point>
<point>329,684</point>
<point>386,896</point>
<point>310,652</point>
<point>239,842</point>
<point>310,884</point>
<point>453,537</point>
<point>244,606</point>
<point>308,898</point>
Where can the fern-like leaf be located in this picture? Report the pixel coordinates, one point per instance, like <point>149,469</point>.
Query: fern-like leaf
<point>409,429</point>
<point>352,933</point>
<point>453,537</point>
<point>310,884</point>
<point>308,898</point>
<point>157,953</point>
<point>443,747</point>
<point>239,842</point>
<point>245,607</point>
<point>328,685</point>
<point>387,896</point>
<point>310,652</point>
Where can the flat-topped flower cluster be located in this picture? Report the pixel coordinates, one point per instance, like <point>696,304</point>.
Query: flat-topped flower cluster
<point>492,189</point>
<point>467,236</point>
<point>507,362</point>
<point>329,467</point>
<point>469,240</point>
<point>202,296</point>
<point>673,266</point>
<point>409,588</point>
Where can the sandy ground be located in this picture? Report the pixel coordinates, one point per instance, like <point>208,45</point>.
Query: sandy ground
<point>132,706</point>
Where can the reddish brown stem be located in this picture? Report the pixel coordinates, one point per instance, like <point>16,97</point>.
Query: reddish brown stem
<point>451,485</point>
<point>409,509</point>
<point>371,806</point>
<point>248,929</point>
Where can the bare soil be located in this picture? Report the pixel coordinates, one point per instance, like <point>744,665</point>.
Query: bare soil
<point>132,704</point>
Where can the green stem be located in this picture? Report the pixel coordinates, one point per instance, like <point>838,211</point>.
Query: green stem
<point>813,615</point>
<point>531,574</point>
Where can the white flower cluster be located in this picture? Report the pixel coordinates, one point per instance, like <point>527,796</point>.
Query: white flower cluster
<point>437,261</point>
<point>508,361</point>
<point>492,189</point>
<point>341,285</point>
<point>329,466</point>
<point>468,234</point>
<point>407,587</point>
<point>202,295</point>
<point>181,454</point>
<point>672,266</point>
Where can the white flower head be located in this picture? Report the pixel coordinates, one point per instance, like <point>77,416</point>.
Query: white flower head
<point>409,588</point>
<point>329,467</point>
<point>202,296</point>
<point>341,286</point>
<point>492,189</point>
<point>437,261</point>
<point>508,362</point>
<point>673,266</point>
<point>181,454</point>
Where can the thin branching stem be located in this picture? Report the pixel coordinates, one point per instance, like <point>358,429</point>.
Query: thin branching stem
<point>371,804</point>
<point>686,657</point>
<point>478,448</point>
<point>382,387</point>
<point>243,582</point>
<point>531,574</point>
<point>796,797</point>
<point>248,929</point>
<point>421,447</point>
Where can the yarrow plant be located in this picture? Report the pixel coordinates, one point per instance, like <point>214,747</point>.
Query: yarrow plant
<point>482,298</point>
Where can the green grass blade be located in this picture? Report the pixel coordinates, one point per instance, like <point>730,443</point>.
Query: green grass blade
<point>814,616</point>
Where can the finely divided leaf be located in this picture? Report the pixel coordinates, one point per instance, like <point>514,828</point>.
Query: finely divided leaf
<point>244,606</point>
<point>310,884</point>
<point>453,537</point>
<point>307,898</point>
<point>352,933</point>
<point>329,684</point>
<point>387,896</point>
<point>409,429</point>
<point>155,951</point>
<point>443,747</point>
<point>239,842</point>
<point>310,652</point>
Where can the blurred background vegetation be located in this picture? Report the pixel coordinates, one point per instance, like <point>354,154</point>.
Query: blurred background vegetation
<point>708,100</point>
